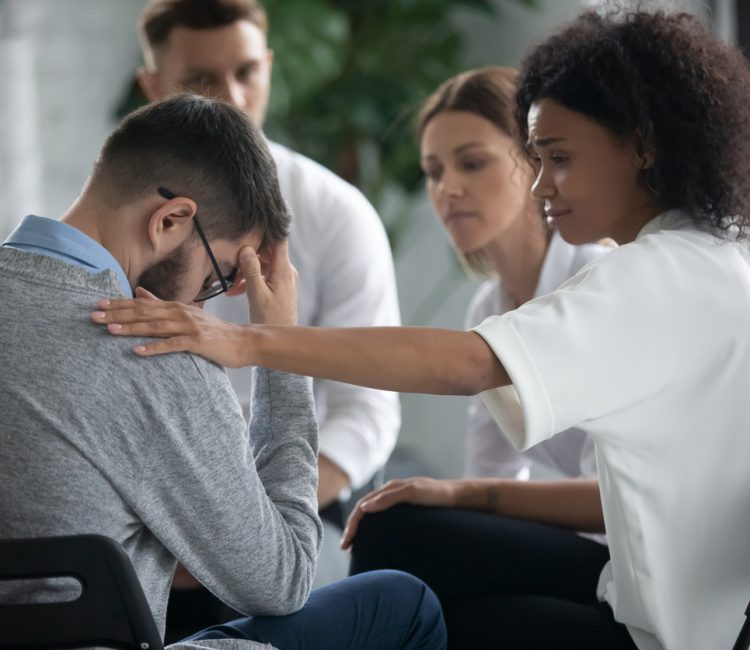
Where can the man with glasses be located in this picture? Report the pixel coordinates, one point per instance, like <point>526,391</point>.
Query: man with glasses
<point>158,455</point>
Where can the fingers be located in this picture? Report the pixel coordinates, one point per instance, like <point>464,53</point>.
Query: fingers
<point>383,498</point>
<point>165,346</point>
<point>271,284</point>
<point>126,315</point>
<point>350,531</point>
<point>387,498</point>
<point>137,310</point>
<point>250,267</point>
<point>156,328</point>
<point>140,292</point>
<point>279,256</point>
<point>275,262</point>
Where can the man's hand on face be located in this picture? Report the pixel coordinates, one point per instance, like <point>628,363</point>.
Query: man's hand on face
<point>270,281</point>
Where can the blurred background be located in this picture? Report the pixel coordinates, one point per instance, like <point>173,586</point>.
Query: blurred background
<point>348,78</point>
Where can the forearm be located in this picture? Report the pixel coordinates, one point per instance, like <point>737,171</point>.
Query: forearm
<point>283,440</point>
<point>403,359</point>
<point>572,503</point>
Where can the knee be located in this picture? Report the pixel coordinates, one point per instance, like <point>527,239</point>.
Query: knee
<point>405,597</point>
<point>398,584</point>
<point>402,590</point>
<point>413,599</point>
<point>376,534</point>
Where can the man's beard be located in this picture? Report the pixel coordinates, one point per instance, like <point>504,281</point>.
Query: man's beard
<point>163,278</point>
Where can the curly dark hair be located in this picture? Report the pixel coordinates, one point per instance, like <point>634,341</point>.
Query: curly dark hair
<point>667,81</point>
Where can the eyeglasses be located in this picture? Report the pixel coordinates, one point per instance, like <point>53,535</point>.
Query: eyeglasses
<point>223,283</point>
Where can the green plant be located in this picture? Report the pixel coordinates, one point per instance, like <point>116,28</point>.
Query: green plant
<point>349,76</point>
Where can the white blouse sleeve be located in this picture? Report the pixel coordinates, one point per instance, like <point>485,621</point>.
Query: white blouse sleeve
<point>606,339</point>
<point>488,452</point>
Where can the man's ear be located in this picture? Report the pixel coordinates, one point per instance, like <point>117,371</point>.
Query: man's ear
<point>171,224</point>
<point>150,83</point>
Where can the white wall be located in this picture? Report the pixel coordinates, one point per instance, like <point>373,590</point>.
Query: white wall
<point>63,64</point>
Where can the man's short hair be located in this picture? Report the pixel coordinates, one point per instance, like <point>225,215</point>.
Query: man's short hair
<point>200,148</point>
<point>160,17</point>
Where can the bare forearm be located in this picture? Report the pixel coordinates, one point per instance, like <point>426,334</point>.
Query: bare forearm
<point>404,359</point>
<point>572,503</point>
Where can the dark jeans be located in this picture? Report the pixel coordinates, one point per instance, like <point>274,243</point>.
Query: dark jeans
<point>193,609</point>
<point>373,611</point>
<point>503,583</point>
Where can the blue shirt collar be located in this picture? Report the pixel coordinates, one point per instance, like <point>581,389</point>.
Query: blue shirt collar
<point>57,239</point>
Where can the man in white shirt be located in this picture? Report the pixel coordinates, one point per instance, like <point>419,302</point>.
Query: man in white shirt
<point>337,242</point>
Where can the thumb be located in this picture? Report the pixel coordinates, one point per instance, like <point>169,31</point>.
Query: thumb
<point>140,292</point>
<point>250,266</point>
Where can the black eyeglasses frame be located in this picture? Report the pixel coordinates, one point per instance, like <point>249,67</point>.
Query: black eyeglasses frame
<point>225,282</point>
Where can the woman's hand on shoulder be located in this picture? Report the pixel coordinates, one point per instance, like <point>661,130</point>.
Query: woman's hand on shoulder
<point>268,278</point>
<point>178,327</point>
<point>418,490</point>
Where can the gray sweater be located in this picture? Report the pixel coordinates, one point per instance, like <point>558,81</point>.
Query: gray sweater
<point>153,452</point>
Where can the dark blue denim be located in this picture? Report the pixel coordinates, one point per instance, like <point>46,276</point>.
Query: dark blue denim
<point>378,610</point>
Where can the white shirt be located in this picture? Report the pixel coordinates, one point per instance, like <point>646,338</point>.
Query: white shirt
<point>489,452</point>
<point>648,351</point>
<point>346,279</point>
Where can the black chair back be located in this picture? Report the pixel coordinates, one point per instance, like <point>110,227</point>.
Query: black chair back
<point>110,612</point>
<point>743,640</point>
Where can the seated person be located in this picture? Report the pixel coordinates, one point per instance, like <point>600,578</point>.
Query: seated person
<point>158,456</point>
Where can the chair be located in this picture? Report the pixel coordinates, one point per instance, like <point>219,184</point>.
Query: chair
<point>743,640</point>
<point>111,610</point>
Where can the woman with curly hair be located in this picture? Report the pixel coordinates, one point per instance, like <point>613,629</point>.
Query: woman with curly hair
<point>638,126</point>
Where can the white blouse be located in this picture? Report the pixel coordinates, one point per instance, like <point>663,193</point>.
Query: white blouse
<point>489,452</point>
<point>648,351</point>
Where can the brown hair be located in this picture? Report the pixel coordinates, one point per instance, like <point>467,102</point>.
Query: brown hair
<point>197,147</point>
<point>487,92</point>
<point>160,17</point>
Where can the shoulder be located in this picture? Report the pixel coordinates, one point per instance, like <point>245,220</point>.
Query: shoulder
<point>307,184</point>
<point>660,265</point>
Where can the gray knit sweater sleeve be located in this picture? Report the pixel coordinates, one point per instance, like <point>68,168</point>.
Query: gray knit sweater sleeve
<point>257,547</point>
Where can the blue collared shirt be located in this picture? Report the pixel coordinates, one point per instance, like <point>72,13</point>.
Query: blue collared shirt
<point>57,239</point>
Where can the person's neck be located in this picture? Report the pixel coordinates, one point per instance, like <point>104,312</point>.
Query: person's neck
<point>86,215</point>
<point>629,228</point>
<point>518,256</point>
